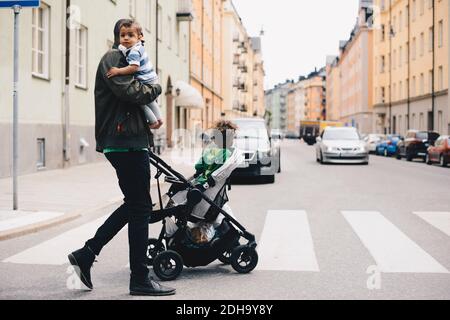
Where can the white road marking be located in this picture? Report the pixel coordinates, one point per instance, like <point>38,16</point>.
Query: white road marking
<point>55,251</point>
<point>439,220</point>
<point>286,243</point>
<point>392,250</point>
<point>28,219</point>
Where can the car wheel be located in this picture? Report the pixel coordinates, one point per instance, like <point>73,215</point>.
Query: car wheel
<point>398,156</point>
<point>409,157</point>
<point>428,160</point>
<point>442,162</point>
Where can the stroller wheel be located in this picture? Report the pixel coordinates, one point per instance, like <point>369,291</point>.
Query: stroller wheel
<point>153,250</point>
<point>225,257</point>
<point>244,259</point>
<point>168,265</point>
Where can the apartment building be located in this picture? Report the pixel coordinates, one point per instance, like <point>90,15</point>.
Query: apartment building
<point>411,65</point>
<point>57,120</point>
<point>206,62</point>
<point>242,69</point>
<point>349,76</point>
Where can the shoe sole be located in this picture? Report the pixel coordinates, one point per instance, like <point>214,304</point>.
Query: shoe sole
<point>142,294</point>
<point>73,261</point>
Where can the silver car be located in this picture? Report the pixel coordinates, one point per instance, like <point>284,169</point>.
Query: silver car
<point>341,145</point>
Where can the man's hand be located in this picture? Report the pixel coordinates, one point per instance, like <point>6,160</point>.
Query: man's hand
<point>113,72</point>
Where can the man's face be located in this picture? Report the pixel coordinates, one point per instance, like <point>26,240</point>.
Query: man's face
<point>129,37</point>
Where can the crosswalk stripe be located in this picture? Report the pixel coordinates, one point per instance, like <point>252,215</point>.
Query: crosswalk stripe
<point>439,220</point>
<point>392,250</point>
<point>286,243</point>
<point>55,250</point>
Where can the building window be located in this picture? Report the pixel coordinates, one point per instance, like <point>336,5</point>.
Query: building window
<point>160,24</point>
<point>422,83</point>
<point>430,39</point>
<point>413,10</point>
<point>40,41</point>
<point>132,8</point>
<point>81,56</point>
<point>422,7</point>
<point>430,81</point>
<point>421,122</point>
<point>440,34</point>
<point>440,122</point>
<point>400,57</point>
<point>422,44</point>
<point>413,49</point>
<point>148,15</point>
<point>441,78</point>
<point>169,32</point>
<point>40,164</point>
<point>413,89</point>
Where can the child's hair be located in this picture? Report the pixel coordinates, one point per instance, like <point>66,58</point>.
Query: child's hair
<point>131,23</point>
<point>223,132</point>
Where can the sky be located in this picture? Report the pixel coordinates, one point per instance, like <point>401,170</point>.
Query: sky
<point>299,34</point>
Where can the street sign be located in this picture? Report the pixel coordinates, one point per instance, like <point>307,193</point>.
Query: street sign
<point>23,3</point>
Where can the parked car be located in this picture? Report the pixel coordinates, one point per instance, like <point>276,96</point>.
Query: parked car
<point>373,140</point>
<point>388,147</point>
<point>440,152</point>
<point>262,157</point>
<point>341,145</point>
<point>416,145</point>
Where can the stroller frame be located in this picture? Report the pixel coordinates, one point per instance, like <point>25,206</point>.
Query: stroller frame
<point>243,258</point>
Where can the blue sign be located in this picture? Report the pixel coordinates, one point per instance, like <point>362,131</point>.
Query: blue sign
<point>22,3</point>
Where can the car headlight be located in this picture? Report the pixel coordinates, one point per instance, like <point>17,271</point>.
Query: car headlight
<point>265,157</point>
<point>332,149</point>
<point>362,149</point>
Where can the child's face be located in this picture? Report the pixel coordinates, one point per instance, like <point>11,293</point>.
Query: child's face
<point>129,37</point>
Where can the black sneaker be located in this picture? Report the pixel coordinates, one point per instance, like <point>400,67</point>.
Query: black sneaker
<point>149,287</point>
<point>82,260</point>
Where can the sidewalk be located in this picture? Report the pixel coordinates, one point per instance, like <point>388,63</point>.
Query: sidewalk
<point>54,197</point>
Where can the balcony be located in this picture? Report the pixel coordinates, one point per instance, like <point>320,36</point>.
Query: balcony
<point>242,87</point>
<point>243,108</point>
<point>185,10</point>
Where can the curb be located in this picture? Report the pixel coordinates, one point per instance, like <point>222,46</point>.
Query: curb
<point>40,226</point>
<point>33,228</point>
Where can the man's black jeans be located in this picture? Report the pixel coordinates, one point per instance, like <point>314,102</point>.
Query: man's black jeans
<point>133,171</point>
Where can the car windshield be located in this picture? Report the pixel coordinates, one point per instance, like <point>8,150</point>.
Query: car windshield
<point>251,130</point>
<point>422,136</point>
<point>341,135</point>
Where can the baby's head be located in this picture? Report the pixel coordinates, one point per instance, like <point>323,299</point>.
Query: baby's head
<point>130,33</point>
<point>224,132</point>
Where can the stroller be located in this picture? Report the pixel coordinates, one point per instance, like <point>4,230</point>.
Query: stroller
<point>188,204</point>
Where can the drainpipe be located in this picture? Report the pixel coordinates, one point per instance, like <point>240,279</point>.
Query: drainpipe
<point>433,42</point>
<point>66,108</point>
<point>390,67</point>
<point>409,65</point>
<point>157,33</point>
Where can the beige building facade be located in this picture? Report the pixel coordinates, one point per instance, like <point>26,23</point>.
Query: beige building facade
<point>349,76</point>
<point>243,68</point>
<point>411,66</point>
<point>57,121</point>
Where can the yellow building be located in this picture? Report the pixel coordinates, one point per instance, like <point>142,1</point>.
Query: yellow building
<point>411,65</point>
<point>315,95</point>
<point>242,68</point>
<point>206,61</point>
<point>333,88</point>
<point>349,76</point>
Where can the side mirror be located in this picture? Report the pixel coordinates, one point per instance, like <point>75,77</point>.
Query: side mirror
<point>318,139</point>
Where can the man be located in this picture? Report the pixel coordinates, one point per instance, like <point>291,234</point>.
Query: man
<point>124,137</point>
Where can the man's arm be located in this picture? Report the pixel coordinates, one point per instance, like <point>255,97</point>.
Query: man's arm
<point>126,88</point>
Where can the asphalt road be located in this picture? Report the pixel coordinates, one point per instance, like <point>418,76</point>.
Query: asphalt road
<point>324,232</point>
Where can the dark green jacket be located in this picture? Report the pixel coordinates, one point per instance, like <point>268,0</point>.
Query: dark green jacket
<point>119,120</point>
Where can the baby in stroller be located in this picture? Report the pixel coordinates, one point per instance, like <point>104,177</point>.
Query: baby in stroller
<point>198,226</point>
<point>215,155</point>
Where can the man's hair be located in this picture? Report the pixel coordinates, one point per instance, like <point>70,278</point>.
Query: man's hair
<point>131,23</point>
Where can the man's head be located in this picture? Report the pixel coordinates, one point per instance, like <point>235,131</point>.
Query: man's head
<point>127,32</point>
<point>224,132</point>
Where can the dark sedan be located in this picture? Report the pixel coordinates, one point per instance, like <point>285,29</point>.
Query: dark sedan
<point>416,145</point>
